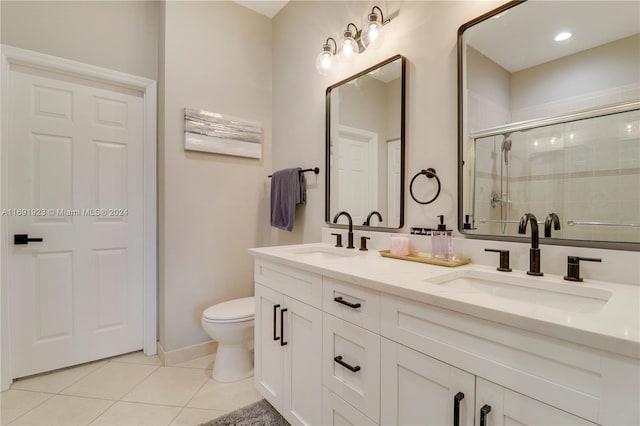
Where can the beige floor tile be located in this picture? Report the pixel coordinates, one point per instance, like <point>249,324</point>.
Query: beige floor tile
<point>138,358</point>
<point>225,396</point>
<point>205,362</point>
<point>169,386</point>
<point>65,410</point>
<point>14,403</point>
<point>55,381</point>
<point>196,416</point>
<point>132,413</point>
<point>112,381</point>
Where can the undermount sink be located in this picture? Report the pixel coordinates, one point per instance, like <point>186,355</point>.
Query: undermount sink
<point>324,252</point>
<point>538,291</point>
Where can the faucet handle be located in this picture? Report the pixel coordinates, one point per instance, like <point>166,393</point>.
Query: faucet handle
<point>504,259</point>
<point>573,267</point>
<point>363,243</point>
<point>338,240</point>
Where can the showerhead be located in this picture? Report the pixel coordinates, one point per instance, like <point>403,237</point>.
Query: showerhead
<point>506,147</point>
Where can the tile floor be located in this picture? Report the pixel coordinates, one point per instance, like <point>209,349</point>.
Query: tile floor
<point>131,389</point>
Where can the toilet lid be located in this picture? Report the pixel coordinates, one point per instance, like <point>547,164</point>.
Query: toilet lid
<point>236,309</point>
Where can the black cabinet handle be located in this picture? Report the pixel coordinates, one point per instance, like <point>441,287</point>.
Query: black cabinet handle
<point>486,409</point>
<point>344,302</point>
<point>456,408</point>
<point>275,308</point>
<point>282,342</point>
<point>20,239</point>
<point>339,360</point>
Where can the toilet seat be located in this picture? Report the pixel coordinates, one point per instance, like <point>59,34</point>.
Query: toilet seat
<point>237,310</point>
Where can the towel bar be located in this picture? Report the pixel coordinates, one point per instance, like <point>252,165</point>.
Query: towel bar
<point>315,170</point>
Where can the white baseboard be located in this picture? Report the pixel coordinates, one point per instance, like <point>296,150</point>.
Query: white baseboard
<point>186,354</point>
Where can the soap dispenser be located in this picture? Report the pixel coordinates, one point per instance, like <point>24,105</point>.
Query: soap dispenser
<point>442,240</point>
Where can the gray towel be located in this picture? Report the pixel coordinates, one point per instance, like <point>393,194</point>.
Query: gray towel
<point>288,188</point>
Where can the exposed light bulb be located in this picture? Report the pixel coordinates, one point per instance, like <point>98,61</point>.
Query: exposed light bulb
<point>325,58</point>
<point>372,32</point>
<point>563,36</point>
<point>348,47</point>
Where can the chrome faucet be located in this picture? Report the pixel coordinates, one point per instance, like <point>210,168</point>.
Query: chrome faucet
<point>350,235</point>
<point>534,251</point>
<point>368,221</point>
<point>552,219</point>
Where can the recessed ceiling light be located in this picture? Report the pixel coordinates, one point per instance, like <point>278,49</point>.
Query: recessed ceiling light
<point>563,36</point>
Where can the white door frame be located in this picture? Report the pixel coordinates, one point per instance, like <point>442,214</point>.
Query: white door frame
<point>11,55</point>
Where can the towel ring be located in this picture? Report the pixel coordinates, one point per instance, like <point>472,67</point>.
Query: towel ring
<point>430,173</point>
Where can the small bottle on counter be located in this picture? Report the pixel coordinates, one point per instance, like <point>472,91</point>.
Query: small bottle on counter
<point>442,240</point>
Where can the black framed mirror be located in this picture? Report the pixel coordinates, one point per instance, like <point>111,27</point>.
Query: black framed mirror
<point>548,121</point>
<point>365,146</point>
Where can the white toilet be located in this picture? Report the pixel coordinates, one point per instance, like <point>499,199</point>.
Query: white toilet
<point>231,325</point>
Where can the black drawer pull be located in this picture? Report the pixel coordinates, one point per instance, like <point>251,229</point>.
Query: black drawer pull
<point>486,409</point>
<point>344,302</point>
<point>275,308</point>
<point>282,342</point>
<point>456,408</point>
<point>339,360</point>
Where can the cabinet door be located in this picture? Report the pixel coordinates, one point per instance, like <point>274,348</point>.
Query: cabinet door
<point>420,390</point>
<point>269,355</point>
<point>302,369</point>
<point>503,407</point>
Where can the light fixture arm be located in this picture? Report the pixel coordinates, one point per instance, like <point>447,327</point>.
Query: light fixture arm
<point>335,45</point>
<point>373,10</point>
<point>357,32</point>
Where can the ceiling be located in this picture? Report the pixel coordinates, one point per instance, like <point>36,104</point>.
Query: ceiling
<point>268,8</point>
<point>523,36</point>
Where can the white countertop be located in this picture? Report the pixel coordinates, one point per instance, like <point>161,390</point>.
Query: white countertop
<point>613,328</point>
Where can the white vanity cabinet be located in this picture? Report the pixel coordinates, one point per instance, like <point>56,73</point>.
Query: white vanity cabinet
<point>288,342</point>
<point>420,390</point>
<point>540,377</point>
<point>372,357</point>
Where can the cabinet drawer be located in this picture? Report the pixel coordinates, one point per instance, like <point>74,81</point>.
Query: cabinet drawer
<point>351,364</point>
<point>335,411</point>
<point>352,303</point>
<point>296,283</point>
<point>555,372</point>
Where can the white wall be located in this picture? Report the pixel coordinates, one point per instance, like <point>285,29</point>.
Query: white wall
<point>119,35</point>
<point>606,73</point>
<point>424,32</point>
<point>210,55</point>
<point>217,57</point>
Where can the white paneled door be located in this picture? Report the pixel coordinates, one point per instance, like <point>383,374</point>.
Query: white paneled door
<point>75,170</point>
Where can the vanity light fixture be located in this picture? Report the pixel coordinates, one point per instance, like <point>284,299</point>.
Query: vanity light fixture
<point>349,44</point>
<point>563,36</point>
<point>372,33</point>
<point>353,40</point>
<point>325,58</point>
